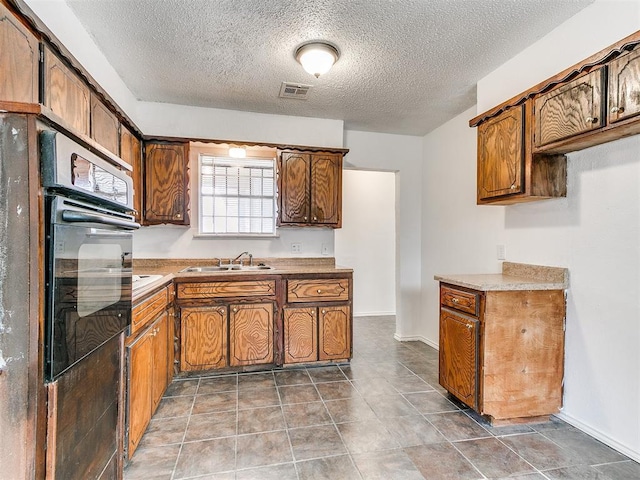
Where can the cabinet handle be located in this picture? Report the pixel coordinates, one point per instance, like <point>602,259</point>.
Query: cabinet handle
<point>592,120</point>
<point>319,291</point>
<point>468,326</point>
<point>617,110</point>
<point>513,187</point>
<point>455,300</point>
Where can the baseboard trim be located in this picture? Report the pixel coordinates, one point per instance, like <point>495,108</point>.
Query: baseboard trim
<point>374,314</point>
<point>413,338</point>
<point>607,440</point>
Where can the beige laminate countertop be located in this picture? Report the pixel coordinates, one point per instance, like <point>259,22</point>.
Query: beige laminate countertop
<point>514,276</point>
<point>168,269</point>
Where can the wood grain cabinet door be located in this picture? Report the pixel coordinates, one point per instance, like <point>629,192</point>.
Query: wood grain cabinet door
<point>294,188</point>
<point>140,378</point>
<point>250,334</point>
<point>501,155</point>
<point>459,356</point>
<point>65,94</point>
<point>624,86</point>
<point>571,109</point>
<point>161,365</point>
<point>326,189</point>
<point>166,183</point>
<point>104,126</point>
<point>19,60</point>
<point>131,152</point>
<point>300,335</point>
<point>335,333</point>
<point>203,340</point>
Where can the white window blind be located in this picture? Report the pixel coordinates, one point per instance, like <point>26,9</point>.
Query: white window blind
<point>237,196</point>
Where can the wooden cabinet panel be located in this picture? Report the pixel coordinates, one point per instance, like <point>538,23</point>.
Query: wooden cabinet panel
<point>329,290</point>
<point>326,189</point>
<point>19,60</point>
<point>139,389</point>
<point>570,109</point>
<point>238,288</point>
<point>65,94</point>
<point>501,155</point>
<point>161,365</point>
<point>295,187</point>
<point>166,183</point>
<point>460,300</point>
<point>104,126</point>
<point>300,335</point>
<point>459,356</point>
<point>251,334</point>
<point>624,86</point>
<point>131,152</point>
<point>335,333</point>
<point>148,309</point>
<point>203,338</point>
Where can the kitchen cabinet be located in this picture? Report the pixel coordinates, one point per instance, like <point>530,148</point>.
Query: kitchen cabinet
<point>228,323</point>
<point>65,93</point>
<point>19,60</point>
<point>317,321</point>
<point>166,180</point>
<point>150,362</point>
<point>104,126</point>
<point>570,109</point>
<point>624,87</point>
<point>502,351</point>
<point>310,188</point>
<point>131,152</point>
<point>508,171</point>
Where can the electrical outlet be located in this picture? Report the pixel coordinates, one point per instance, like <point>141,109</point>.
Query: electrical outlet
<point>501,252</point>
<point>324,249</point>
<point>296,248</point>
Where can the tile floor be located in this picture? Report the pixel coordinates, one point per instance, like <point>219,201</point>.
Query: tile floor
<point>381,417</point>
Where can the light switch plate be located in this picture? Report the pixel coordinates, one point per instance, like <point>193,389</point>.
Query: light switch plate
<point>324,249</point>
<point>501,252</point>
<point>296,248</point>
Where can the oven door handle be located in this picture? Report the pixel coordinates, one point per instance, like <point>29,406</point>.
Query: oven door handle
<point>81,217</point>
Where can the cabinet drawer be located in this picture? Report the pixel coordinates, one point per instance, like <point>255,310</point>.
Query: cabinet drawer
<point>148,309</point>
<point>330,290</point>
<point>459,300</point>
<point>227,289</point>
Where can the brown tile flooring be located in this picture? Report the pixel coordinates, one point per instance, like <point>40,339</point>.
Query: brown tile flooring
<point>381,417</point>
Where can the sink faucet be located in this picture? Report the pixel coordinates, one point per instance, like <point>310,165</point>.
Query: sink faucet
<point>240,256</point>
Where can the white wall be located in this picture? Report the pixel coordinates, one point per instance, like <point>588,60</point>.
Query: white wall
<point>367,240</point>
<point>595,231</point>
<point>401,154</point>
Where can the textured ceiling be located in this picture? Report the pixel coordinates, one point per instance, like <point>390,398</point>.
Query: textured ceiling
<point>406,66</point>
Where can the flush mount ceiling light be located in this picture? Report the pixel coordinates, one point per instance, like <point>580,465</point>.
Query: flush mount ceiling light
<point>317,58</point>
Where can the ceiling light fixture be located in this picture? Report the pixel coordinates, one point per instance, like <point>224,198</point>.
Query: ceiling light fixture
<point>317,58</point>
<point>237,152</point>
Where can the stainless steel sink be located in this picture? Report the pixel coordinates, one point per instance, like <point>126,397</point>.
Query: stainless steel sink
<point>226,268</point>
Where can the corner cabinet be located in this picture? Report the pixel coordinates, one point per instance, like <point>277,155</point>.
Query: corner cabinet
<point>166,180</point>
<point>502,352</point>
<point>508,171</point>
<point>310,188</point>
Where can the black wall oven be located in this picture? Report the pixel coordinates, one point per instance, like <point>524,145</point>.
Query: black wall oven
<point>88,246</point>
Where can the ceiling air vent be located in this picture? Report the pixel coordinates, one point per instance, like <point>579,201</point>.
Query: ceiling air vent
<point>294,90</point>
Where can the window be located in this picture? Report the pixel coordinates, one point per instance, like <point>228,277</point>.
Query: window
<point>237,196</point>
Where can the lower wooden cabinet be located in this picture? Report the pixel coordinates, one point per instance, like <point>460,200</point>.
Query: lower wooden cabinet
<point>251,334</point>
<point>335,333</point>
<point>300,335</point>
<point>203,338</point>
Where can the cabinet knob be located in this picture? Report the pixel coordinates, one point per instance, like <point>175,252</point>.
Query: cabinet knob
<point>222,310</point>
<point>315,219</point>
<point>324,311</point>
<point>235,310</point>
<point>455,300</point>
<point>592,120</point>
<point>468,326</point>
<point>617,109</point>
<point>513,187</point>
<point>305,219</point>
<point>319,291</point>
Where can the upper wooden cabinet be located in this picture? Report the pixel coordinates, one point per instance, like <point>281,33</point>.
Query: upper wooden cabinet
<point>19,60</point>
<point>508,171</point>
<point>571,109</point>
<point>65,94</point>
<point>310,189</point>
<point>104,126</point>
<point>166,177</point>
<point>624,87</point>
<point>131,152</point>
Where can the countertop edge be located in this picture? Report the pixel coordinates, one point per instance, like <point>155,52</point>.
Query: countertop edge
<point>499,283</point>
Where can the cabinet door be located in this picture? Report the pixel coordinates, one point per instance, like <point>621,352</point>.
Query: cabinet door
<point>131,152</point>
<point>569,110</point>
<point>19,60</point>
<point>140,378</point>
<point>335,333</point>
<point>459,356</point>
<point>166,183</point>
<point>294,183</point>
<point>624,86</point>
<point>326,189</point>
<point>161,365</point>
<point>501,155</point>
<point>251,334</point>
<point>104,125</point>
<point>300,335</point>
<point>65,93</point>
<point>203,341</point>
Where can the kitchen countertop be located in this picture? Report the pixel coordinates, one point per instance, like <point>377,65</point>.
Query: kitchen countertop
<point>514,276</point>
<point>168,269</point>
